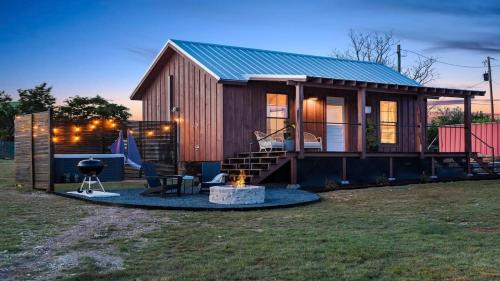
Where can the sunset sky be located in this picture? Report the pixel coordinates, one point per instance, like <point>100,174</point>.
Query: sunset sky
<point>104,47</point>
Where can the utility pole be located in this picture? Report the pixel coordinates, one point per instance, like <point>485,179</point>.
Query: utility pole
<point>490,80</point>
<point>398,51</point>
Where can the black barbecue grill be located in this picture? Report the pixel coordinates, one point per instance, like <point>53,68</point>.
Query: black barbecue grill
<point>90,168</point>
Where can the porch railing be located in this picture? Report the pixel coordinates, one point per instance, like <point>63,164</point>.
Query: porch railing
<point>406,137</point>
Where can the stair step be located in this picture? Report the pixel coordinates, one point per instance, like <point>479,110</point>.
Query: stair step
<point>252,160</point>
<point>236,172</point>
<point>262,154</point>
<point>262,166</point>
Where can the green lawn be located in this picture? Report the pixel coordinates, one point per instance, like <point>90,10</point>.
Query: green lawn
<point>441,231</point>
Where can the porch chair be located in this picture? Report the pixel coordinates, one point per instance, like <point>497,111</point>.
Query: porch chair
<point>158,184</point>
<point>219,179</point>
<point>312,142</point>
<point>269,143</point>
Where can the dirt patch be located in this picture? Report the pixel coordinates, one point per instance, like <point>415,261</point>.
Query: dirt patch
<point>103,224</point>
<point>486,229</point>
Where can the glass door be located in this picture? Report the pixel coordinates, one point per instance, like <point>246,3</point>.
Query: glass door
<point>335,127</point>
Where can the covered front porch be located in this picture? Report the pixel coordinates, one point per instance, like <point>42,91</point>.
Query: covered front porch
<point>360,118</point>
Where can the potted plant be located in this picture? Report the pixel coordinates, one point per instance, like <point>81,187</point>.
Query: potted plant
<point>287,135</point>
<point>371,136</point>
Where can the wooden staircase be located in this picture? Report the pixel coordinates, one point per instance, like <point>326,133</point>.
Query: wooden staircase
<point>257,166</point>
<point>483,165</point>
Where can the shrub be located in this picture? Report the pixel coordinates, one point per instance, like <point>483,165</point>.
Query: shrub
<point>331,185</point>
<point>382,180</point>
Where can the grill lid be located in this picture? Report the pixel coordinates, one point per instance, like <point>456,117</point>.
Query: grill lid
<point>90,163</point>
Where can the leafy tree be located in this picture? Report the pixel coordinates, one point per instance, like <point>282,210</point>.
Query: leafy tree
<point>8,111</point>
<point>82,108</point>
<point>379,47</point>
<point>36,100</point>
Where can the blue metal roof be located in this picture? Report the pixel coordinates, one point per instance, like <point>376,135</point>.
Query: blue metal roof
<point>237,63</point>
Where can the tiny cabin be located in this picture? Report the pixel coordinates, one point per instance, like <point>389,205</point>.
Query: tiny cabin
<point>310,118</point>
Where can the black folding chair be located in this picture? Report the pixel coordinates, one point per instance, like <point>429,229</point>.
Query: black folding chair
<point>159,184</point>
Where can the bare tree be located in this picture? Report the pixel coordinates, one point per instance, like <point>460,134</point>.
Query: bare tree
<point>422,71</point>
<point>378,47</point>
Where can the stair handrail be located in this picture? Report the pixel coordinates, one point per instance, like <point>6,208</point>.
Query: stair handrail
<point>432,142</point>
<point>277,131</point>
<point>488,146</point>
<point>264,137</point>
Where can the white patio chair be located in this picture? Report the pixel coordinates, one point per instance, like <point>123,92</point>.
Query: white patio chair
<point>219,179</point>
<point>312,142</point>
<point>269,143</point>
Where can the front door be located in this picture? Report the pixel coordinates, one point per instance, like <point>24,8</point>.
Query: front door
<point>335,128</point>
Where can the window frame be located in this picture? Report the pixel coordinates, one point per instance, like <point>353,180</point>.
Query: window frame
<point>395,124</point>
<point>268,118</point>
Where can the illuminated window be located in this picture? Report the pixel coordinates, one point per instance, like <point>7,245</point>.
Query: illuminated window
<point>388,121</point>
<point>277,111</point>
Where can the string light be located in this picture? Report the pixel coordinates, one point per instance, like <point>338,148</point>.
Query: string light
<point>96,122</point>
<point>166,128</point>
<point>55,130</point>
<point>55,139</point>
<point>76,129</point>
<point>150,133</point>
<point>76,138</point>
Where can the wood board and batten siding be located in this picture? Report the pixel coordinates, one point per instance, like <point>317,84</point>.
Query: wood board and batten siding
<point>406,124</point>
<point>245,112</point>
<point>199,99</point>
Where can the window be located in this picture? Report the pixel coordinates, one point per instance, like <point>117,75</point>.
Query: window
<point>388,121</point>
<point>277,111</point>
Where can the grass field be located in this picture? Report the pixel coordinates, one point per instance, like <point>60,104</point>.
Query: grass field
<point>440,231</point>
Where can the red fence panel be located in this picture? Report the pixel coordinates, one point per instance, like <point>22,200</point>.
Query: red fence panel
<point>485,136</point>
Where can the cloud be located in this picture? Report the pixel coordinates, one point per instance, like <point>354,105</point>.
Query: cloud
<point>142,54</point>
<point>485,46</point>
<point>462,8</point>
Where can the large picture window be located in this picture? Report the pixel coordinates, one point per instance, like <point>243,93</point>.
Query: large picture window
<point>277,111</point>
<point>388,121</point>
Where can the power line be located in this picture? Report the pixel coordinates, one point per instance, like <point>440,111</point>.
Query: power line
<point>474,85</point>
<point>447,63</point>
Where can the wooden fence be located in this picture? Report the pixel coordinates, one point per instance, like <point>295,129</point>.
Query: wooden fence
<point>38,137</point>
<point>156,140</point>
<point>34,151</point>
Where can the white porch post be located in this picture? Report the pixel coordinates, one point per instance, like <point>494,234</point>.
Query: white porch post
<point>299,126</point>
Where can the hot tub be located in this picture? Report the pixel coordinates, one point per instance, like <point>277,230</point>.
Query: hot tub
<point>65,169</point>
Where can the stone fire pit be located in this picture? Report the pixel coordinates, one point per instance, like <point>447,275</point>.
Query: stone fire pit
<point>227,194</point>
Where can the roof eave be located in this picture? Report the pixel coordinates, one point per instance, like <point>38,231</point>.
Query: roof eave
<point>173,45</point>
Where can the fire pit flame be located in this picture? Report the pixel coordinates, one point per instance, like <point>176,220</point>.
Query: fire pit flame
<point>240,181</point>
